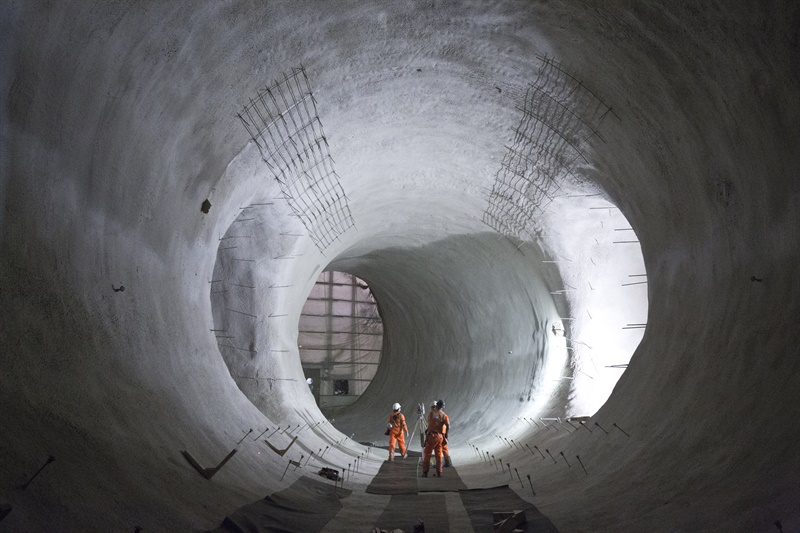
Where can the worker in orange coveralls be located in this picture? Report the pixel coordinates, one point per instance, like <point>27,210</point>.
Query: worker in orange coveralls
<point>438,427</point>
<point>445,446</point>
<point>397,430</point>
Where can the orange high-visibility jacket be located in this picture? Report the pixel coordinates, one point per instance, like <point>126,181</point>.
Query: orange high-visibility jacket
<point>398,423</point>
<point>438,421</point>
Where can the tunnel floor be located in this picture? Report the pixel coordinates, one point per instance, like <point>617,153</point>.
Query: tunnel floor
<point>395,497</point>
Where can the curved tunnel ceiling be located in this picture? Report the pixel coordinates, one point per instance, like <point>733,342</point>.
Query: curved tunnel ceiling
<point>675,126</point>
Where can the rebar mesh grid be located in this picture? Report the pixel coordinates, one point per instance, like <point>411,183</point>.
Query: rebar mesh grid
<point>282,120</point>
<point>560,116</point>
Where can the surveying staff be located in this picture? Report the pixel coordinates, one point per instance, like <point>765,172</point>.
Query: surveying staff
<point>438,426</point>
<point>422,424</point>
<point>397,430</point>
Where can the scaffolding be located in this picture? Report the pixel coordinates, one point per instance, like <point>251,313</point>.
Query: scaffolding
<point>282,120</point>
<point>340,336</point>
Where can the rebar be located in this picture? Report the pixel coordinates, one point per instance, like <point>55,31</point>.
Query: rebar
<point>551,456</point>
<point>283,122</point>
<point>619,428</point>
<point>581,462</point>
<point>50,459</point>
<point>245,435</point>
<point>560,118</point>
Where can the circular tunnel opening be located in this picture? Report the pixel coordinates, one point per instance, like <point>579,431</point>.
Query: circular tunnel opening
<point>459,325</point>
<point>527,311</point>
<point>534,328</point>
<point>339,339</point>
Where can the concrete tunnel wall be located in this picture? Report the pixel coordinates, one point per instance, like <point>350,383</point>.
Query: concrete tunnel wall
<point>120,119</point>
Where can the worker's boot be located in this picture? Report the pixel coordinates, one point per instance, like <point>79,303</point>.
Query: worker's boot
<point>424,474</point>
<point>438,474</point>
<point>447,461</point>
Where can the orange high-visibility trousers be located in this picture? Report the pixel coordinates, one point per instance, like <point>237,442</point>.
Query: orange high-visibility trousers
<point>432,444</point>
<point>396,437</point>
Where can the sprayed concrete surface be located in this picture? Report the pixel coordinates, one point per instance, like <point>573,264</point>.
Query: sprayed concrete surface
<point>120,119</point>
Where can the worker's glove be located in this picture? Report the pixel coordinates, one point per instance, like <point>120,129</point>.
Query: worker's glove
<point>444,440</point>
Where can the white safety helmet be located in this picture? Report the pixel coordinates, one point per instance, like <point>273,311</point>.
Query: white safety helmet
<point>396,406</point>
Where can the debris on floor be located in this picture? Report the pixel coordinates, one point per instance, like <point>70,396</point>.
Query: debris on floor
<point>419,528</point>
<point>509,521</point>
<point>329,473</point>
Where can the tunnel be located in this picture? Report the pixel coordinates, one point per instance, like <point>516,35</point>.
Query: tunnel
<point>579,221</point>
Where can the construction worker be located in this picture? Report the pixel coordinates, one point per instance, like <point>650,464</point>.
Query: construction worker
<point>438,426</point>
<point>397,430</point>
<point>445,445</point>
